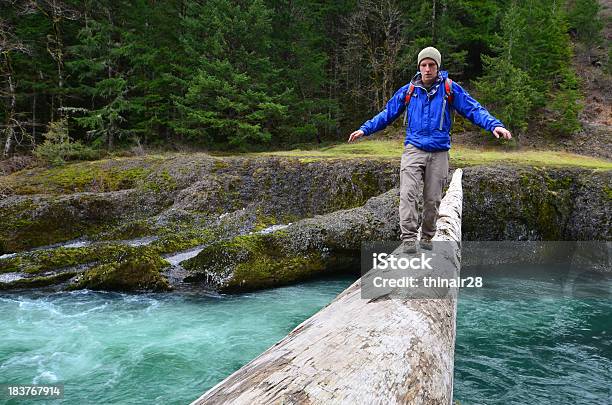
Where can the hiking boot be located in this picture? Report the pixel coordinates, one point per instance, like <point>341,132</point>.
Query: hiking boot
<point>408,247</point>
<point>426,244</point>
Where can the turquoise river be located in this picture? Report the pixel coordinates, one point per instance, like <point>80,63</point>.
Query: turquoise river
<point>516,343</point>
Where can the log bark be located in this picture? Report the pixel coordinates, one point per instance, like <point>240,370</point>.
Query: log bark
<point>360,351</point>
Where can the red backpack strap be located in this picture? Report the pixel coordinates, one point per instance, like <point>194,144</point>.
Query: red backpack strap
<point>448,86</point>
<point>409,94</point>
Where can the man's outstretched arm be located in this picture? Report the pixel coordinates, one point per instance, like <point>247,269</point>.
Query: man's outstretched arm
<point>471,109</point>
<point>394,108</point>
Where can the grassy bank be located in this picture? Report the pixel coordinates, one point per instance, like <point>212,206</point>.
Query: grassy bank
<point>460,155</point>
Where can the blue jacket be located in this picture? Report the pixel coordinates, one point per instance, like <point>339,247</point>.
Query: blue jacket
<point>429,115</point>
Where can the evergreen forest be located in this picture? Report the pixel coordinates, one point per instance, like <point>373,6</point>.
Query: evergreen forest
<point>83,76</point>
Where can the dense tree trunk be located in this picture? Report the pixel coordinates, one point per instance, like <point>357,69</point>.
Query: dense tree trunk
<point>8,45</point>
<point>433,22</point>
<point>10,117</point>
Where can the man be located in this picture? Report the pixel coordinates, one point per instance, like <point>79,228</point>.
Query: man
<point>428,100</point>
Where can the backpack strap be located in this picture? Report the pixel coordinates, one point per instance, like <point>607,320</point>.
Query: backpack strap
<point>448,87</point>
<point>409,94</point>
<point>408,97</point>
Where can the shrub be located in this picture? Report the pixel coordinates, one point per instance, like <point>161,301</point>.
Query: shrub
<point>565,106</point>
<point>58,147</point>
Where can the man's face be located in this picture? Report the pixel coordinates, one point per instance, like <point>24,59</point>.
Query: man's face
<point>429,70</point>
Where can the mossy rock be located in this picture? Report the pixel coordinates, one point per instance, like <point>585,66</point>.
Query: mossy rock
<point>44,260</point>
<point>138,270</point>
<point>532,203</point>
<point>130,230</point>
<point>546,201</point>
<point>10,264</point>
<point>252,262</point>
<point>40,281</point>
<point>306,249</point>
<point>40,261</point>
<point>181,240</point>
<point>49,259</point>
<point>98,176</point>
<point>29,223</point>
<point>160,182</point>
<point>3,245</point>
<point>43,220</point>
<point>263,219</point>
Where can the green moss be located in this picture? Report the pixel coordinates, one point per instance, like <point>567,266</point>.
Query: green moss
<point>10,265</point>
<point>353,192</point>
<point>109,255</point>
<point>35,222</point>
<point>160,182</point>
<point>140,269</point>
<point>129,230</point>
<point>561,183</point>
<point>218,165</point>
<point>607,193</point>
<point>267,271</point>
<point>26,224</point>
<point>546,202</point>
<point>310,160</point>
<point>175,241</point>
<point>263,220</point>
<point>45,260</point>
<point>287,218</point>
<point>76,177</point>
<point>367,183</point>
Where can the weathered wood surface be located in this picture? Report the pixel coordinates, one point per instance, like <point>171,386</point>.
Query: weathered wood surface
<point>360,351</point>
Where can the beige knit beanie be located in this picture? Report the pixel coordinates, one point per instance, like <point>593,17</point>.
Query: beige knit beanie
<point>432,53</point>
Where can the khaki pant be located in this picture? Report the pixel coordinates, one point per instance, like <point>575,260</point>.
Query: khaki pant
<point>418,166</point>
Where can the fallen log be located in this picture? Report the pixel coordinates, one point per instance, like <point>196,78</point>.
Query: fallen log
<point>360,351</point>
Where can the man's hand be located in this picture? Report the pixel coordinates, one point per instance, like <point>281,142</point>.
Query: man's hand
<point>356,135</point>
<point>503,132</point>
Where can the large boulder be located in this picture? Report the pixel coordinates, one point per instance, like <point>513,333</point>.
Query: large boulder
<point>139,270</point>
<point>32,221</point>
<point>530,203</point>
<point>307,248</point>
<point>43,208</point>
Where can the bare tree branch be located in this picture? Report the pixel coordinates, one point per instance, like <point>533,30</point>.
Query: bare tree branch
<point>374,43</point>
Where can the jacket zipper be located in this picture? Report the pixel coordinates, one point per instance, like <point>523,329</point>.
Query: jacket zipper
<point>443,113</point>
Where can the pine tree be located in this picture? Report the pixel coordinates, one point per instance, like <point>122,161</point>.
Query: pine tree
<point>97,62</point>
<point>234,97</point>
<point>585,20</point>
<point>506,91</point>
<point>534,46</point>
